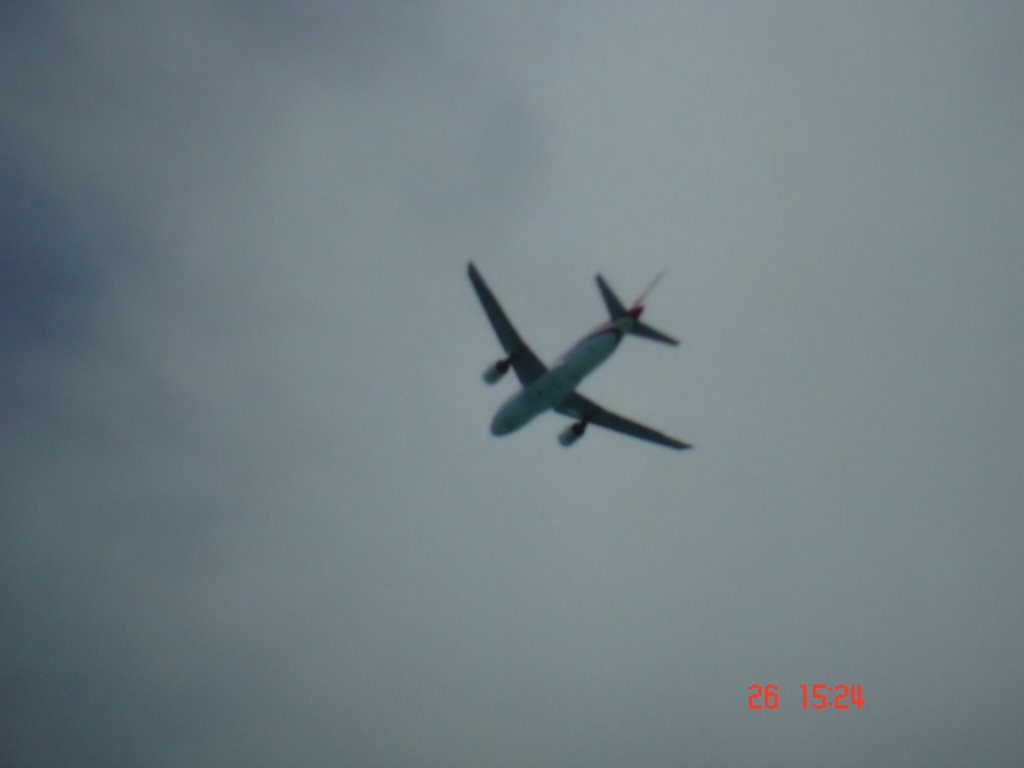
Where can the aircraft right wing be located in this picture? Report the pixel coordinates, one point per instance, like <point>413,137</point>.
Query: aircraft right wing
<point>576,406</point>
<point>527,365</point>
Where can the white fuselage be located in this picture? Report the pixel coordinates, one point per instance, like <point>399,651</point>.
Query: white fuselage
<point>562,378</point>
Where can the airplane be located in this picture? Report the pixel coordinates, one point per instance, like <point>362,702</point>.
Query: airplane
<point>555,387</point>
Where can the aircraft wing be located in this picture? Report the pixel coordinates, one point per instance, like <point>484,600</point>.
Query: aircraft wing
<point>576,406</point>
<point>527,365</point>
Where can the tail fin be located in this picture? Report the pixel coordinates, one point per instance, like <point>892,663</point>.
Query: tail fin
<point>616,310</point>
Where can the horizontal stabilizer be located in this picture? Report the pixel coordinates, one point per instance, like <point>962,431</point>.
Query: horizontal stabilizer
<point>615,308</point>
<point>642,329</point>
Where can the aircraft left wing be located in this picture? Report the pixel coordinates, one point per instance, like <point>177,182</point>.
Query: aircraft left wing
<point>576,406</point>
<point>526,364</point>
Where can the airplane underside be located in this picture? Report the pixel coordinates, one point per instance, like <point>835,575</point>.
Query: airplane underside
<point>555,388</point>
<point>557,384</point>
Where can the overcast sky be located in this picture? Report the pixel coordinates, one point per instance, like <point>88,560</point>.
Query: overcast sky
<point>251,514</point>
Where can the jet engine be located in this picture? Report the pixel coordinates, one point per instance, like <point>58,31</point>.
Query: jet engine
<point>572,433</point>
<point>496,371</point>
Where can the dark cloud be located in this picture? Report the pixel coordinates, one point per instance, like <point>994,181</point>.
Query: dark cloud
<point>50,284</point>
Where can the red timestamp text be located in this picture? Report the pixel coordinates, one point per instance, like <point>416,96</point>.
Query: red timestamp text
<point>819,696</point>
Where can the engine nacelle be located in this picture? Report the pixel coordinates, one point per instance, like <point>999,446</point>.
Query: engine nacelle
<point>572,433</point>
<point>496,371</point>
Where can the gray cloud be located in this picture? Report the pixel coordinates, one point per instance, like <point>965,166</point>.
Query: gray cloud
<point>252,514</point>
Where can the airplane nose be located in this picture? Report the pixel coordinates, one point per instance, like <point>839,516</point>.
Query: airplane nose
<point>507,419</point>
<point>500,424</point>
